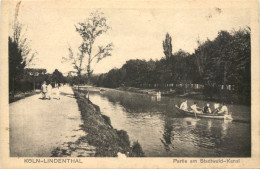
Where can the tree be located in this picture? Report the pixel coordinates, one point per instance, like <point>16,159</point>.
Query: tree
<point>167,46</point>
<point>16,62</point>
<point>201,56</point>
<point>32,74</point>
<point>77,62</point>
<point>179,67</point>
<point>225,60</point>
<point>57,76</point>
<point>20,52</point>
<point>95,26</point>
<point>23,43</point>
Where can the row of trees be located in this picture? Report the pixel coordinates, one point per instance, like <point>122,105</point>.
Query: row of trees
<point>222,61</point>
<point>20,53</point>
<point>21,56</point>
<point>32,79</point>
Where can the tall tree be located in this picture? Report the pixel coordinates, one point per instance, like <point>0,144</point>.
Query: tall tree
<point>201,56</point>
<point>167,46</point>
<point>20,52</point>
<point>94,27</point>
<point>19,37</point>
<point>57,76</point>
<point>16,62</point>
<point>76,61</point>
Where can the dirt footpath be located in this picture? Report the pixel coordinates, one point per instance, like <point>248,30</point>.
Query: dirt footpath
<point>38,126</point>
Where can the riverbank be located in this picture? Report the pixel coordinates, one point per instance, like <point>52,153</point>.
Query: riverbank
<point>164,132</point>
<point>105,141</point>
<point>225,96</point>
<point>20,95</point>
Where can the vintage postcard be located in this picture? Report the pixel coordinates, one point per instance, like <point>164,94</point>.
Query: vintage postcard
<point>130,84</point>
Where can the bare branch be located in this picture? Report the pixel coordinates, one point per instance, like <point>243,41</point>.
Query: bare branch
<point>23,43</point>
<point>103,52</point>
<point>89,30</point>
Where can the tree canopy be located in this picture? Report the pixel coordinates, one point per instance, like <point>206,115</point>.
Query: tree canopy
<point>224,60</point>
<point>90,30</point>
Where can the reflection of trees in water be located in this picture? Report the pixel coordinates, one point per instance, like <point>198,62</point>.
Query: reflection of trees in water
<point>212,135</point>
<point>225,126</point>
<point>209,135</point>
<point>168,135</point>
<point>134,102</point>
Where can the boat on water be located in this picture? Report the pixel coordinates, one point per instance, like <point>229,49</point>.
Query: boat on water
<point>204,115</point>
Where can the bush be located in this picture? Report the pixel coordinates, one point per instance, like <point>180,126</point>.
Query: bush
<point>124,138</point>
<point>107,119</point>
<point>137,149</point>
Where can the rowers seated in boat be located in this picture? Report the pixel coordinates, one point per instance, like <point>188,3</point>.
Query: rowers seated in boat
<point>184,105</point>
<point>223,110</point>
<point>216,108</point>
<point>206,109</point>
<point>195,109</point>
<point>220,110</point>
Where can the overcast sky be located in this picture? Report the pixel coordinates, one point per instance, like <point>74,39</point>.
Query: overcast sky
<point>135,33</point>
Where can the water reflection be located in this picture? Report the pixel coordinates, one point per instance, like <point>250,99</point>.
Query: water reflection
<point>163,131</point>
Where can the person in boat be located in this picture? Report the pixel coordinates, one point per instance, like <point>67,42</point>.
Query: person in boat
<point>195,108</point>
<point>224,109</point>
<point>184,105</point>
<point>206,109</point>
<point>216,108</point>
<point>158,94</point>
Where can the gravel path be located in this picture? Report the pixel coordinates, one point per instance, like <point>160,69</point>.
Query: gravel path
<point>38,126</point>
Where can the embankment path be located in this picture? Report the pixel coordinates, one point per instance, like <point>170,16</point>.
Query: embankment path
<point>38,126</point>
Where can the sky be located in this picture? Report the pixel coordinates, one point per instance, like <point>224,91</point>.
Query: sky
<point>135,34</point>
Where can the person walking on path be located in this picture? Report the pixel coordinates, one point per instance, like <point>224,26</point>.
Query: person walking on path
<point>49,91</point>
<point>57,91</point>
<point>44,90</point>
<point>35,128</point>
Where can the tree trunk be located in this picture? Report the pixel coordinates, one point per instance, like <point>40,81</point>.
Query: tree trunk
<point>79,76</point>
<point>13,87</point>
<point>225,74</point>
<point>88,70</point>
<point>78,83</point>
<point>33,84</point>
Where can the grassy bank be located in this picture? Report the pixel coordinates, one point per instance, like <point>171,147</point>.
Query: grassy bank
<point>20,95</point>
<point>100,133</point>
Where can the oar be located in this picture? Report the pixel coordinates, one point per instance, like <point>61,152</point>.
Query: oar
<point>195,114</point>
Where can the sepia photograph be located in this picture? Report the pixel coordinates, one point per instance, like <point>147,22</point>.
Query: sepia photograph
<point>86,80</point>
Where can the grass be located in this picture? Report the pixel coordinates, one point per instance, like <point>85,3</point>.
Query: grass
<point>100,133</point>
<point>20,95</point>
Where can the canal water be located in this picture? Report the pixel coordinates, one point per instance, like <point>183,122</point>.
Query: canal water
<point>164,132</point>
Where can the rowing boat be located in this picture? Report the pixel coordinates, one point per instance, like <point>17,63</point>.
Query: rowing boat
<point>204,115</point>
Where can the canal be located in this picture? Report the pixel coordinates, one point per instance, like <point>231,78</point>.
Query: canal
<point>163,132</point>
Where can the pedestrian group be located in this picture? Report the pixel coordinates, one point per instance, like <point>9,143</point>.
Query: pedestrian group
<point>47,92</point>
